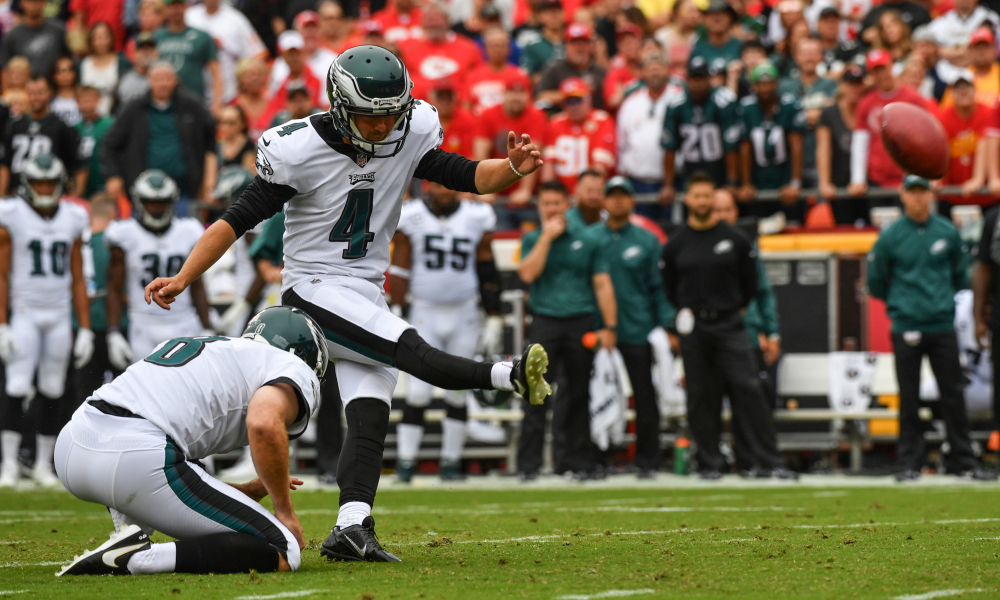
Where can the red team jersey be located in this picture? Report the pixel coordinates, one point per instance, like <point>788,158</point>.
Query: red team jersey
<point>619,74</point>
<point>494,124</point>
<point>484,87</point>
<point>573,147</point>
<point>456,58</point>
<point>881,168</point>
<point>963,137</point>
<point>400,27</point>
<point>459,133</point>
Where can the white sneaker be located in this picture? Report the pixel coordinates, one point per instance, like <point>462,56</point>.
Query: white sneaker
<point>9,474</point>
<point>242,472</point>
<point>44,475</point>
<point>484,432</point>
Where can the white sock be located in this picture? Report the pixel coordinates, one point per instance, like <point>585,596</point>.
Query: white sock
<point>44,448</point>
<point>353,513</point>
<point>453,439</point>
<point>408,440</point>
<point>10,444</point>
<point>501,376</point>
<point>160,558</point>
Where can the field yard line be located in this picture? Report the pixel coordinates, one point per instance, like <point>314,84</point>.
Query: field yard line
<point>414,510</point>
<point>53,518</point>
<point>12,543</point>
<point>297,594</point>
<point>607,594</point>
<point>11,592</point>
<point>937,594</point>
<point>37,564</point>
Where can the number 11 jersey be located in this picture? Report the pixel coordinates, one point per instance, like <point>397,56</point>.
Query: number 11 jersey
<point>346,205</point>
<point>148,256</point>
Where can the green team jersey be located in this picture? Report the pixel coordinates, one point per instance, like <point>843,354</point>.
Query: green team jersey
<point>91,136</point>
<point>717,57</point>
<point>189,51</point>
<point>701,134</point>
<point>768,138</point>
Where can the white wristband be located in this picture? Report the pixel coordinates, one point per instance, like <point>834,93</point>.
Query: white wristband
<point>397,271</point>
<point>516,172</point>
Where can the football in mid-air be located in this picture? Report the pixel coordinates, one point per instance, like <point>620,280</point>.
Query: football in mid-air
<point>915,139</point>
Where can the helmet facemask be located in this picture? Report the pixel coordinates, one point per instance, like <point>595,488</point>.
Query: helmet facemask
<point>154,187</point>
<point>43,169</point>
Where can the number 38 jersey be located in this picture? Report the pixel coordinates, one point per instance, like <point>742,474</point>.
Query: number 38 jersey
<point>346,206</point>
<point>148,256</point>
<point>40,253</point>
<point>443,249</point>
<point>197,390</point>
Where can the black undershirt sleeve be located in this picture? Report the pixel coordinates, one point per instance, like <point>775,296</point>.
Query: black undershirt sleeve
<point>453,171</point>
<point>260,201</point>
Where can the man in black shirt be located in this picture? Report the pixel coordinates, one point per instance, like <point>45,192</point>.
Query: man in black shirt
<point>709,271</point>
<point>38,131</point>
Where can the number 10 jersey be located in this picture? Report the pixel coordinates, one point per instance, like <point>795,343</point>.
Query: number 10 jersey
<point>346,207</point>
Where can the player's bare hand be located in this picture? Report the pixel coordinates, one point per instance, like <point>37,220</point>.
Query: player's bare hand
<point>289,519</point>
<point>789,194</point>
<point>525,155</point>
<point>827,190</point>
<point>857,189</point>
<point>746,192</point>
<point>163,291</point>
<point>554,227</point>
<point>607,338</point>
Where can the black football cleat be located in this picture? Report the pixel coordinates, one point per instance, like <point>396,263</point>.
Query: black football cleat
<point>357,542</point>
<point>111,557</point>
<point>528,374</point>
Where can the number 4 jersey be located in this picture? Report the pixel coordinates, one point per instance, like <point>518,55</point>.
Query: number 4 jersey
<point>443,250</point>
<point>148,256</point>
<point>40,253</point>
<point>346,205</point>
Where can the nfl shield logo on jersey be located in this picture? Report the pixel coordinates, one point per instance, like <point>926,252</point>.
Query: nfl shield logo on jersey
<point>361,159</point>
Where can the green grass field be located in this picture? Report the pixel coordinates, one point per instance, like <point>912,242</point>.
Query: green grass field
<point>569,542</point>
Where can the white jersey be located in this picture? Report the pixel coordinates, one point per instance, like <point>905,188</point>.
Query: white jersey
<point>443,249</point>
<point>40,274</point>
<point>148,256</point>
<point>342,219</point>
<point>197,390</point>
<point>976,362</point>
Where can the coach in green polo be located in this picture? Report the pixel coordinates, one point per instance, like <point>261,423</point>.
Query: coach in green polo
<point>633,254</point>
<point>916,268</point>
<point>568,278</point>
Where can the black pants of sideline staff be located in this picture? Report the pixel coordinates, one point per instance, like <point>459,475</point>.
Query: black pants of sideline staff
<point>562,340</point>
<point>639,364</point>
<point>718,359</point>
<point>941,348</point>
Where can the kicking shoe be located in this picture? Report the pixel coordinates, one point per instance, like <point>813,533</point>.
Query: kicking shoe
<point>44,476</point>
<point>781,473</point>
<point>111,557</point>
<point>357,542</point>
<point>978,475</point>
<point>405,470</point>
<point>528,374</point>
<point>451,470</point>
<point>327,479</point>
<point>908,475</point>
<point>709,475</point>
<point>9,475</point>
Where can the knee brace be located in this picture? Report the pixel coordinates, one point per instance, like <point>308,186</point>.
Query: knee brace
<point>413,415</point>
<point>361,458</point>
<point>456,413</point>
<point>227,553</point>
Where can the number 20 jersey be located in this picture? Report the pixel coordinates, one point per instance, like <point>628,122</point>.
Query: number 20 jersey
<point>148,256</point>
<point>40,274</point>
<point>345,211</point>
<point>443,250</point>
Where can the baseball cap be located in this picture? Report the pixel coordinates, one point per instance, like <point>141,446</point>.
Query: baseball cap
<point>290,40</point>
<point>912,181</point>
<point>923,34</point>
<point>578,31</point>
<point>697,67</point>
<point>574,86</point>
<point>878,58</point>
<point>296,87</point>
<point>490,13</point>
<point>765,71</point>
<point>619,183</point>
<point>306,17</point>
<point>829,11</point>
<point>145,39</point>
<point>551,5</point>
<point>964,75</point>
<point>719,6</point>
<point>982,35</point>
<point>628,29</point>
<point>372,26</point>
<point>853,74</point>
<point>517,82</point>
<point>443,84</point>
